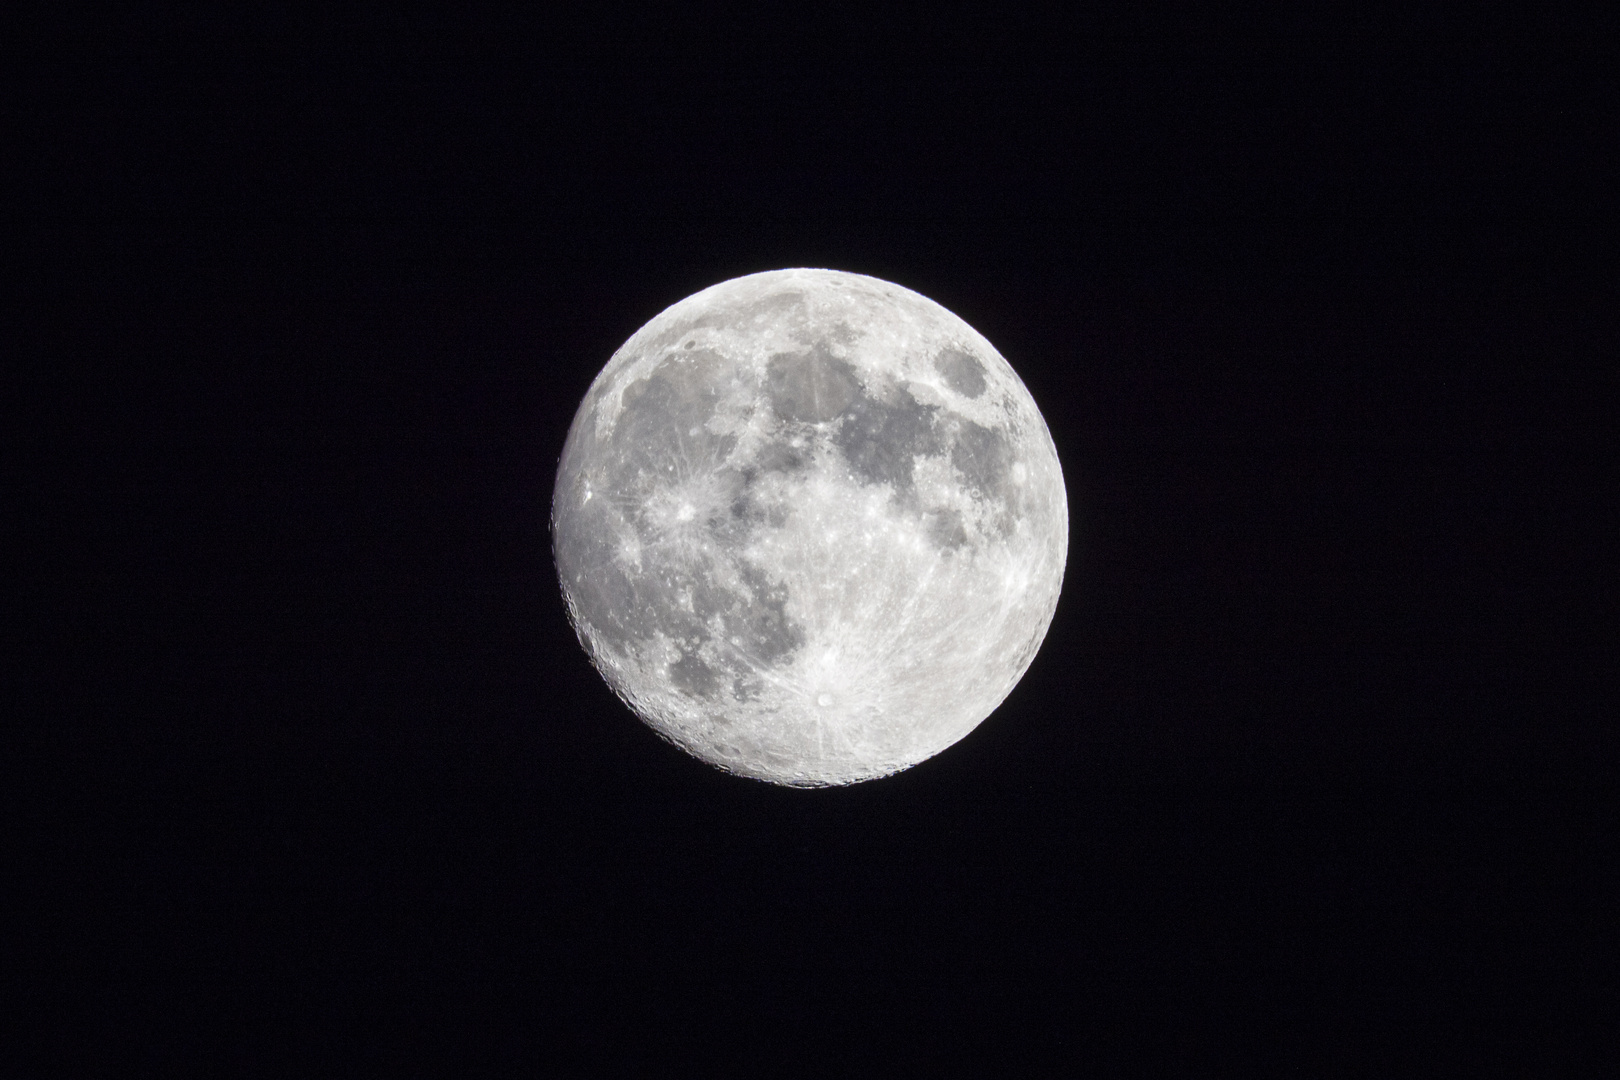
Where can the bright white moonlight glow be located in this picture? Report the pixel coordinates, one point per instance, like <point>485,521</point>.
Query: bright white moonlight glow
<point>810,526</point>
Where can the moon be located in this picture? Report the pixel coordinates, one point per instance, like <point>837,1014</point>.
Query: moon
<point>810,526</point>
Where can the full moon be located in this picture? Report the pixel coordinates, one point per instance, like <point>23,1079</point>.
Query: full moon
<point>810,526</point>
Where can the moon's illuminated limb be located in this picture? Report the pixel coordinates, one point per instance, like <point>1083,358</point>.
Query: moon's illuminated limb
<point>810,526</point>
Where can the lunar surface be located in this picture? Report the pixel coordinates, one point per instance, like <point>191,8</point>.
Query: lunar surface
<point>810,526</point>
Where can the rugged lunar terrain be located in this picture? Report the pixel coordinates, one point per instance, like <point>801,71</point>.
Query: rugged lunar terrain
<point>810,526</point>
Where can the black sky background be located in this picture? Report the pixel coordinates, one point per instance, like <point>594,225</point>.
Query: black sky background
<point>1314,765</point>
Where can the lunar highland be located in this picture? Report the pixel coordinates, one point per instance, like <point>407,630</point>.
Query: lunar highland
<point>810,526</point>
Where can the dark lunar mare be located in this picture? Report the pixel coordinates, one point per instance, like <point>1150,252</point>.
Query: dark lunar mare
<point>810,387</point>
<point>660,439</point>
<point>881,436</point>
<point>881,440</point>
<point>963,372</point>
<point>985,459</point>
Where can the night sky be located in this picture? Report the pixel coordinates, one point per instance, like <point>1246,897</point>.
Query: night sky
<point>1312,768</point>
